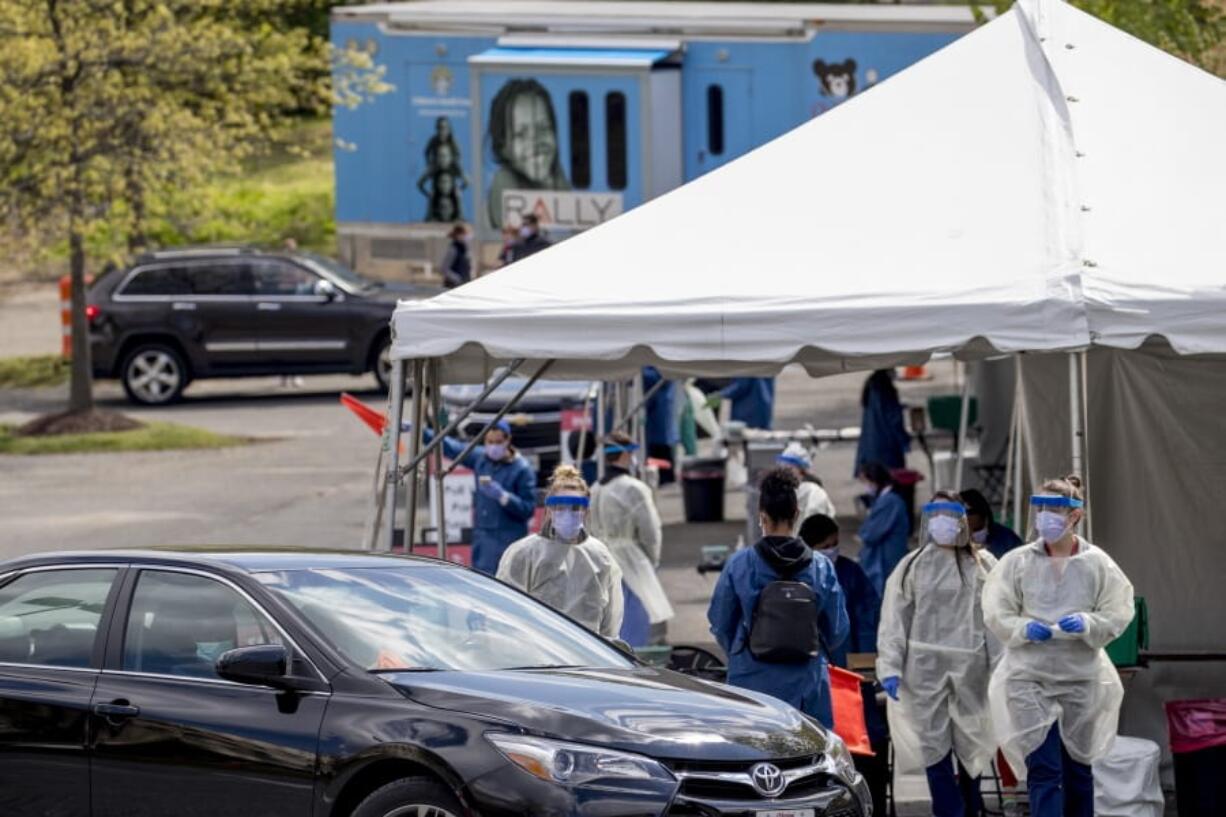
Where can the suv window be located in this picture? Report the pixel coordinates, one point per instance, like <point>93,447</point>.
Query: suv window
<point>179,623</point>
<point>223,279</point>
<point>275,278</point>
<point>159,281</point>
<point>51,617</point>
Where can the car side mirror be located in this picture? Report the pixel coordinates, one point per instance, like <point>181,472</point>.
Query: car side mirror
<point>265,664</point>
<point>325,288</point>
<point>623,646</point>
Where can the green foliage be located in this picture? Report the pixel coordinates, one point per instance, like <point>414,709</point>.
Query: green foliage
<point>1194,30</point>
<point>152,437</point>
<point>32,372</point>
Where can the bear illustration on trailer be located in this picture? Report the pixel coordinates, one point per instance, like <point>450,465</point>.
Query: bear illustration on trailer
<point>836,79</point>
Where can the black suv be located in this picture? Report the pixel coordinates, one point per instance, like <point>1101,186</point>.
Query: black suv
<point>183,314</point>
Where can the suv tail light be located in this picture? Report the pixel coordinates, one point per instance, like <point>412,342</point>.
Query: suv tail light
<point>92,311</point>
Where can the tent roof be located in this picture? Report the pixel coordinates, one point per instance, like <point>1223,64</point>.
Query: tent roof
<point>1044,183</point>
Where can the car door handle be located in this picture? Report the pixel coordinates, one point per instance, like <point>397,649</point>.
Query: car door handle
<point>265,306</point>
<point>183,306</point>
<point>116,709</point>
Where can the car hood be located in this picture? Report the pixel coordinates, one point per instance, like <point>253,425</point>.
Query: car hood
<point>545,395</point>
<point>655,712</point>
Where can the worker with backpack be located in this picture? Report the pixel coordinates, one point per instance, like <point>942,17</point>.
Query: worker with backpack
<point>778,609</point>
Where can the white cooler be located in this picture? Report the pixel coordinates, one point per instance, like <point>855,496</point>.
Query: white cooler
<point>1126,780</point>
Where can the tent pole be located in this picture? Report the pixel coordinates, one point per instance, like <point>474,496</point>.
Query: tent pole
<point>1074,390</point>
<point>640,420</point>
<point>962,423</point>
<point>479,437</point>
<point>410,504</point>
<point>440,497</point>
<point>392,479</point>
<point>600,431</point>
<point>463,415</point>
<point>640,401</point>
<point>1085,426</point>
<point>1020,477</point>
<point>1009,454</point>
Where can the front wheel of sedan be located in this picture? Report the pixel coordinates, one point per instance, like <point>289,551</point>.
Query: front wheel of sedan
<point>153,374</point>
<point>410,797</point>
<point>381,363</point>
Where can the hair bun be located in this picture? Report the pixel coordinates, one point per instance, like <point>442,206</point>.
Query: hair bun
<point>565,471</point>
<point>1075,481</point>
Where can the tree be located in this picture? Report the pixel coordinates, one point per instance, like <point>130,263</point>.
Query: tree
<point>107,103</point>
<point>1191,29</point>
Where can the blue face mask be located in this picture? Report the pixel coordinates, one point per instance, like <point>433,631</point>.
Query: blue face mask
<point>496,451</point>
<point>567,523</point>
<point>211,650</point>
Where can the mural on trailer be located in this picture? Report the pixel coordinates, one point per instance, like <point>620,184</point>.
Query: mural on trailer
<point>836,82</point>
<point>523,139</point>
<point>442,179</point>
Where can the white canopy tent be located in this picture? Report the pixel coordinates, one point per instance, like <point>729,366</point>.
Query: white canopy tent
<point>1044,183</point>
<point>1047,183</point>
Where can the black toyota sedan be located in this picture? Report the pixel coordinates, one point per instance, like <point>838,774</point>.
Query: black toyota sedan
<point>296,684</point>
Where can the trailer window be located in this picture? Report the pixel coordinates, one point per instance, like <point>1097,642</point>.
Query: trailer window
<point>715,120</point>
<point>615,139</point>
<point>580,140</point>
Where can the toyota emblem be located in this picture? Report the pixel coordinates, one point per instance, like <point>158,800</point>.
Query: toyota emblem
<point>767,779</point>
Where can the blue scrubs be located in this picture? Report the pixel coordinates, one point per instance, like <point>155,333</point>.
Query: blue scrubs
<point>636,624</point>
<point>661,410</point>
<point>753,400</point>
<point>883,437</point>
<point>1001,539</point>
<point>863,610</point>
<point>496,527</point>
<point>884,532</point>
<point>804,685</point>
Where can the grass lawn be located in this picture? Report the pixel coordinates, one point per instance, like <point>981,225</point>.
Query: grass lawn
<point>152,437</point>
<point>31,372</point>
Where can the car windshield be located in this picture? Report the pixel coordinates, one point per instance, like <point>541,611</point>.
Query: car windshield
<point>425,617</point>
<point>337,270</point>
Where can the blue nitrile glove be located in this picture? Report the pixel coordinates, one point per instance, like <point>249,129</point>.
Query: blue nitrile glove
<point>1035,631</point>
<point>1074,623</point>
<point>494,491</point>
<point>890,685</point>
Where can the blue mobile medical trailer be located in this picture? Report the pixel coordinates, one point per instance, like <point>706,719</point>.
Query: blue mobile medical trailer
<point>578,111</point>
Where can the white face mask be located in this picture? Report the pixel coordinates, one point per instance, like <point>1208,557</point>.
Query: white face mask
<point>830,553</point>
<point>944,530</point>
<point>525,231</point>
<point>980,536</point>
<point>496,451</point>
<point>567,524</point>
<point>1052,526</point>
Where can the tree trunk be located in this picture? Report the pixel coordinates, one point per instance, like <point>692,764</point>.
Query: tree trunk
<point>81,391</point>
<point>136,200</point>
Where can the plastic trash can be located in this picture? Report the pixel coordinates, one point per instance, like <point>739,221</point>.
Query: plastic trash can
<point>1198,742</point>
<point>702,486</point>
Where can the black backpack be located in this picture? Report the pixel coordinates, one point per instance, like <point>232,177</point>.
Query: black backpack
<point>784,628</point>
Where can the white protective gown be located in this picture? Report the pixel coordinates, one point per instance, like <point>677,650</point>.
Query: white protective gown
<point>812,499</point>
<point>623,515</point>
<point>581,580</point>
<point>1068,678</point>
<point>932,636</point>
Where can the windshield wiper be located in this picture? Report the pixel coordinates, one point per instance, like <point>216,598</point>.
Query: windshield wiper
<point>547,666</point>
<point>381,670</point>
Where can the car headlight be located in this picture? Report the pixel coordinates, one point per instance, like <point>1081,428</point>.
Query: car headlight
<point>840,758</point>
<point>573,764</point>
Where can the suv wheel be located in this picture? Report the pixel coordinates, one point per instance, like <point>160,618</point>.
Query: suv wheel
<point>382,363</point>
<point>410,797</point>
<point>153,374</point>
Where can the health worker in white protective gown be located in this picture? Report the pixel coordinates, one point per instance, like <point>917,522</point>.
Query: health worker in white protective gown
<point>935,657</point>
<point>1055,603</point>
<point>623,516</point>
<point>565,567</point>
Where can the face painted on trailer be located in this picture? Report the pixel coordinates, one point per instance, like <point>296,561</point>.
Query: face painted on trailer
<point>532,146</point>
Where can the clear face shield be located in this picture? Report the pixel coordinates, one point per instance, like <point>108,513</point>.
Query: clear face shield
<point>567,516</point>
<point>1052,516</point>
<point>944,524</point>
